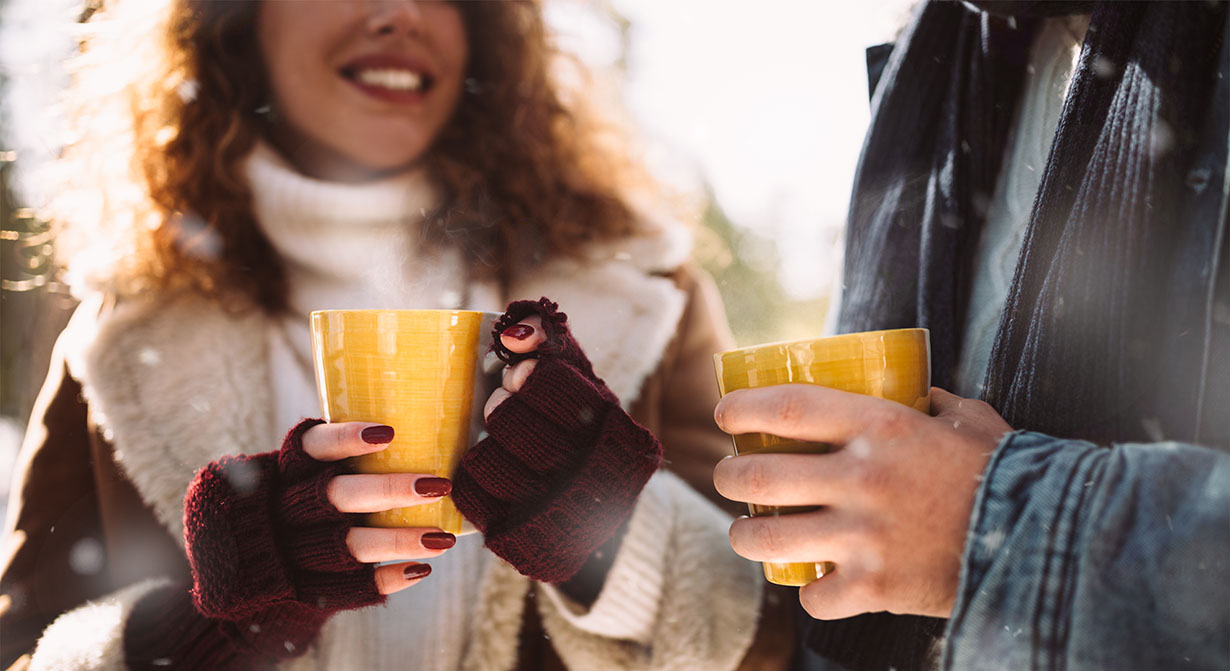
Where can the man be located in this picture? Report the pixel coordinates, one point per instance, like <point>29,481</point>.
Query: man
<point>1078,517</point>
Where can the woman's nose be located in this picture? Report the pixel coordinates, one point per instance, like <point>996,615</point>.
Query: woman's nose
<point>395,17</point>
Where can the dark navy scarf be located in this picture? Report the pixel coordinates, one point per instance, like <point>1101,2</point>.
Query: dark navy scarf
<point>1117,323</point>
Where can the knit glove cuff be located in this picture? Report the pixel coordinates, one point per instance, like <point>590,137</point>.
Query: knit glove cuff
<point>260,532</point>
<point>562,464</point>
<point>165,630</point>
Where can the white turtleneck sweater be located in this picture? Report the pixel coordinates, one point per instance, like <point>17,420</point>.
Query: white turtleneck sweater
<point>344,246</point>
<point>1047,78</point>
<point>356,246</point>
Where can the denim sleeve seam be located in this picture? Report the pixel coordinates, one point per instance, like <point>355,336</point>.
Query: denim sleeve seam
<point>1056,562</point>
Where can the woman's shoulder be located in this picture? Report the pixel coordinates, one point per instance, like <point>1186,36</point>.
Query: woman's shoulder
<point>117,330</point>
<point>658,245</point>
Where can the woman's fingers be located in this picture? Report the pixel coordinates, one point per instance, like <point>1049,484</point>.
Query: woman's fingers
<point>497,397</point>
<point>521,338</point>
<point>396,577</point>
<point>525,336</point>
<point>516,376</point>
<point>373,493</point>
<point>376,492</point>
<point>371,546</point>
<point>332,442</point>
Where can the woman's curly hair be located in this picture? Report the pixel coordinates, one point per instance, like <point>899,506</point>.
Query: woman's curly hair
<point>167,105</point>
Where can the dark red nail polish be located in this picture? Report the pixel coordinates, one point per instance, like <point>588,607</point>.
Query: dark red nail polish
<point>519,331</point>
<point>377,434</point>
<point>439,540</point>
<point>432,486</point>
<point>416,571</point>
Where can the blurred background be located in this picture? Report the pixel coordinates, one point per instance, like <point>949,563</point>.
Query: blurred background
<point>755,112</point>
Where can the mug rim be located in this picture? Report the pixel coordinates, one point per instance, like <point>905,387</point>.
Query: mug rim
<point>857,335</point>
<point>403,311</point>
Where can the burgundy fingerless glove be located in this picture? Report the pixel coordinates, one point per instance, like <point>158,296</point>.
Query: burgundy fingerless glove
<point>562,465</point>
<point>260,531</point>
<point>269,565</point>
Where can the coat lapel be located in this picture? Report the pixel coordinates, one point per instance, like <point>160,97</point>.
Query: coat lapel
<point>621,307</point>
<point>622,318</point>
<point>173,385</point>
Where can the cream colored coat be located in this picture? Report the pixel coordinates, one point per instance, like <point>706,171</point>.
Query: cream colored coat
<point>204,375</point>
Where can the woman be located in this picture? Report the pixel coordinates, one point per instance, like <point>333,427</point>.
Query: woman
<point>410,154</point>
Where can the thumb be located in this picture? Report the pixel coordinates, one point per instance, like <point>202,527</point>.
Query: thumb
<point>944,402</point>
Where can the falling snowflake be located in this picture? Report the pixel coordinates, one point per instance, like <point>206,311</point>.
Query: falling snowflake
<point>243,476</point>
<point>1161,139</point>
<point>1103,67</point>
<point>86,557</point>
<point>992,541</point>
<point>149,356</point>
<point>188,89</point>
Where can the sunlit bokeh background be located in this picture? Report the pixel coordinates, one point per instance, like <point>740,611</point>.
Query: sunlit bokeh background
<point>753,110</point>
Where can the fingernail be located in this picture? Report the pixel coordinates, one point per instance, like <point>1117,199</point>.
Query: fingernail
<point>439,540</point>
<point>432,486</point>
<point>377,434</point>
<point>518,331</point>
<point>416,571</point>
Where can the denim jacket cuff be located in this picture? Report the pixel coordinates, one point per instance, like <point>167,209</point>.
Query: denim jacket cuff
<point>1022,531</point>
<point>1080,556</point>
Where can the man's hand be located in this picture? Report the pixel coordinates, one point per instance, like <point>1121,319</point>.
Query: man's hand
<point>897,493</point>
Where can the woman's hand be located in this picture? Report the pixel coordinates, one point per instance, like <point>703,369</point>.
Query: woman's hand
<point>375,493</point>
<point>277,529</point>
<point>562,464</point>
<point>896,494</point>
<point>274,553</point>
<point>524,337</point>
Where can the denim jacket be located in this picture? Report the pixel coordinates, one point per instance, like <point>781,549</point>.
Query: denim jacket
<point>1086,557</point>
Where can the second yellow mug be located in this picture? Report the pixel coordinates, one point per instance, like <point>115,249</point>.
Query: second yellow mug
<point>894,365</point>
<point>419,371</point>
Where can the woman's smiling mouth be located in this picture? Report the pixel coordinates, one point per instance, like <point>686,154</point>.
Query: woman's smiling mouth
<point>389,79</point>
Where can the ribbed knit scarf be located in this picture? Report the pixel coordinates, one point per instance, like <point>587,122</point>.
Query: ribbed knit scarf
<point>1112,307</point>
<point>1117,324</point>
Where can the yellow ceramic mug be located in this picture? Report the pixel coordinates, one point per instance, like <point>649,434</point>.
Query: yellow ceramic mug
<point>419,371</point>
<point>895,365</point>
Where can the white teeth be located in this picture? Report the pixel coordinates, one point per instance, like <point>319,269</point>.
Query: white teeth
<point>397,80</point>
